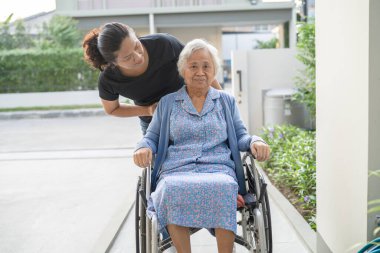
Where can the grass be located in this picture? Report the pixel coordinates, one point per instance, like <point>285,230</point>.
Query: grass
<point>50,108</point>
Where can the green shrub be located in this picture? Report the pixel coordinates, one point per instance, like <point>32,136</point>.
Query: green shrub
<point>34,70</point>
<point>293,165</point>
<point>6,39</point>
<point>272,43</point>
<point>305,80</point>
<point>60,31</point>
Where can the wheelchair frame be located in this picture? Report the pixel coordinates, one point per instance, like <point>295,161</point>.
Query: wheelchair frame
<point>255,216</point>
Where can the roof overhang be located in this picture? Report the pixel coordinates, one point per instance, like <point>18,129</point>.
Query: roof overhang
<point>237,15</point>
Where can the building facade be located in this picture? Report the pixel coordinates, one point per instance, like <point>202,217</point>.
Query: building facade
<point>224,23</point>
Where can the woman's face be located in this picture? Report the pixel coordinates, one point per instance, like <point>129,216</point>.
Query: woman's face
<point>199,71</point>
<point>131,53</point>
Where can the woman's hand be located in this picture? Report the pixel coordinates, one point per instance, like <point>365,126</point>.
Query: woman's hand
<point>143,157</point>
<point>260,150</point>
<point>152,108</point>
<point>240,201</point>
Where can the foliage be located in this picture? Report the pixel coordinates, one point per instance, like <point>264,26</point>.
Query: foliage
<point>6,39</point>
<point>305,80</point>
<point>272,43</point>
<point>21,38</point>
<point>61,31</point>
<point>33,70</point>
<point>293,165</point>
<point>52,61</point>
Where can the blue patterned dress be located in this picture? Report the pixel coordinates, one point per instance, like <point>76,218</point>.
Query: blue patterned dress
<point>197,184</point>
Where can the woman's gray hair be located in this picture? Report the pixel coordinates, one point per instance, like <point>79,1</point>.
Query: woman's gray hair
<point>193,46</point>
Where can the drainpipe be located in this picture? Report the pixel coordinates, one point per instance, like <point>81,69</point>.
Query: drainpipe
<point>293,29</point>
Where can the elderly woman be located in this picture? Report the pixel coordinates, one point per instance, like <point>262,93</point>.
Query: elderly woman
<point>197,134</point>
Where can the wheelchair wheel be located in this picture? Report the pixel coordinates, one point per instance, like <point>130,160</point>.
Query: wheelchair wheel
<point>262,228</point>
<point>259,230</point>
<point>140,216</point>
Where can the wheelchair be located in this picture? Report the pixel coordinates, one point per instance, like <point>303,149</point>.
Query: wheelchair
<point>371,247</point>
<point>254,218</point>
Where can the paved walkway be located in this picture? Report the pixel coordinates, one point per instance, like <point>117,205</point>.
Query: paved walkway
<point>285,239</point>
<point>66,185</point>
<point>33,99</point>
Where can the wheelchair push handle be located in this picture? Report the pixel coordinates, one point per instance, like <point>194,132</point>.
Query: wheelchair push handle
<point>249,153</point>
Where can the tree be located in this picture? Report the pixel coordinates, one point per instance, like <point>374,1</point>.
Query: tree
<point>21,38</point>
<point>61,31</point>
<point>272,43</point>
<point>6,39</point>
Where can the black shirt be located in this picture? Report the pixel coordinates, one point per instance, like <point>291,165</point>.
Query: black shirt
<point>160,78</point>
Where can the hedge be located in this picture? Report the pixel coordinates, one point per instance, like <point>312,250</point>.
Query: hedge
<point>293,165</point>
<point>34,70</point>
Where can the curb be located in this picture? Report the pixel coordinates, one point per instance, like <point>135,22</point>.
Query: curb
<point>302,228</point>
<point>112,242</point>
<point>51,114</point>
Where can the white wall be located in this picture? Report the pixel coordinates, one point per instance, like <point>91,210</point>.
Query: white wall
<point>262,69</point>
<point>246,41</point>
<point>342,46</point>
<point>185,34</point>
<point>211,34</point>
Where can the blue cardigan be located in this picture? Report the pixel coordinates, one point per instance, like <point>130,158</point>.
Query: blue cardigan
<point>157,135</point>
